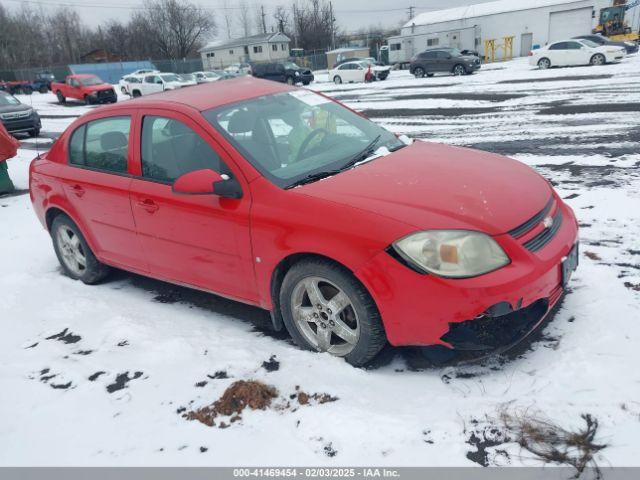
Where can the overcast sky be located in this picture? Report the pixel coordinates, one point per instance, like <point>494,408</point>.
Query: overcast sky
<point>350,14</point>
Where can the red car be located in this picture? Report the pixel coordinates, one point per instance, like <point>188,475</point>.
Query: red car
<point>88,88</point>
<point>285,199</point>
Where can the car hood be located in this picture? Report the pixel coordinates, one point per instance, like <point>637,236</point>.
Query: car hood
<point>97,88</point>
<point>14,108</point>
<point>434,186</point>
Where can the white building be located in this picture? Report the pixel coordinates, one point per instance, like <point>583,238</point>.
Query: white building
<point>257,48</point>
<point>531,22</point>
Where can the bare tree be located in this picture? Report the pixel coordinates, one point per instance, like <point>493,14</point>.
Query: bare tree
<point>244,19</point>
<point>313,24</point>
<point>227,18</point>
<point>281,17</point>
<point>178,27</point>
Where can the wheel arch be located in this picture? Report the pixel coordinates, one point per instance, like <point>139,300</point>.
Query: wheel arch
<point>56,210</point>
<point>280,271</point>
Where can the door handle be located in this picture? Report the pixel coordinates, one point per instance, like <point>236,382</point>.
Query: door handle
<point>77,190</point>
<point>149,205</point>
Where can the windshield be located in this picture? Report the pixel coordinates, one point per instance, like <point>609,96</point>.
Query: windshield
<point>170,78</point>
<point>291,66</point>
<point>589,43</point>
<point>289,136</point>
<point>6,99</point>
<point>211,75</point>
<point>88,81</point>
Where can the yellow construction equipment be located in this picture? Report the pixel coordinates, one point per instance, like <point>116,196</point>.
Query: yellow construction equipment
<point>612,23</point>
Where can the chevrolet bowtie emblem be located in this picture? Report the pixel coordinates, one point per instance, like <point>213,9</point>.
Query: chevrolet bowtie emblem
<point>547,222</point>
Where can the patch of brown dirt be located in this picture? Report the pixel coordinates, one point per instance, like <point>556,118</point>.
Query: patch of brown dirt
<point>593,256</point>
<point>240,395</point>
<point>317,398</point>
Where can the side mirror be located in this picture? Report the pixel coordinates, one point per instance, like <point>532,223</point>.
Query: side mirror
<point>207,182</point>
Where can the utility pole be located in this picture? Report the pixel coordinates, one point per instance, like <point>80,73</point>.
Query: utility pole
<point>411,11</point>
<point>333,26</point>
<point>264,24</point>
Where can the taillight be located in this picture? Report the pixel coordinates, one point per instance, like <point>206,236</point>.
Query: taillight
<point>531,53</point>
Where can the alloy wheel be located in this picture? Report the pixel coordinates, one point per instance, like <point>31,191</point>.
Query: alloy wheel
<point>544,63</point>
<point>458,70</point>
<point>419,72</point>
<point>71,250</point>
<point>598,59</point>
<point>325,316</point>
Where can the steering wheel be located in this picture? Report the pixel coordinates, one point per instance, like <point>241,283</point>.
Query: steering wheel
<point>307,141</point>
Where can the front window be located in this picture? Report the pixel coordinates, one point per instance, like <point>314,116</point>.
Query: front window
<point>290,136</point>
<point>89,81</point>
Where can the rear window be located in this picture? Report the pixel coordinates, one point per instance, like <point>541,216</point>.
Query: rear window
<point>101,144</point>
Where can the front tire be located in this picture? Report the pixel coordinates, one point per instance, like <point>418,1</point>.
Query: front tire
<point>61,99</point>
<point>458,70</point>
<point>337,80</point>
<point>544,63</point>
<point>290,81</point>
<point>326,309</point>
<point>598,59</point>
<point>73,252</point>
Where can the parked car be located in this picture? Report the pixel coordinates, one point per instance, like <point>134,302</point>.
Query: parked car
<point>88,88</point>
<point>630,47</point>
<point>354,72</point>
<point>17,117</point>
<point>285,72</point>
<point>127,81</point>
<point>155,83</point>
<point>239,69</point>
<point>575,52</point>
<point>45,78</point>
<point>25,87</point>
<point>438,60</point>
<point>188,79</point>
<point>223,194</point>
<point>144,71</point>
<point>380,71</point>
<point>207,77</point>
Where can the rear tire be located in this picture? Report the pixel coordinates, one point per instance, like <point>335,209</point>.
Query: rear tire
<point>136,94</point>
<point>61,99</point>
<point>290,81</point>
<point>598,59</point>
<point>73,252</point>
<point>355,314</point>
<point>544,63</point>
<point>419,72</point>
<point>337,80</point>
<point>34,133</point>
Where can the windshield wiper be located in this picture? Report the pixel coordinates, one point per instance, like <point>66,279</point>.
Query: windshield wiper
<point>362,155</point>
<point>313,177</point>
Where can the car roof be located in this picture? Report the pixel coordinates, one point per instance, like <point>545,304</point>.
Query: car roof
<point>207,95</point>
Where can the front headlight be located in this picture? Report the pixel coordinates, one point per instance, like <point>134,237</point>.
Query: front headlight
<point>452,253</point>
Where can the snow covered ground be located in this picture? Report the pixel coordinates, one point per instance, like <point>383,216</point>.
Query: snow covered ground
<point>100,375</point>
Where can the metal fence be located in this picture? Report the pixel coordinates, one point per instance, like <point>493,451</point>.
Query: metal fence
<point>109,72</point>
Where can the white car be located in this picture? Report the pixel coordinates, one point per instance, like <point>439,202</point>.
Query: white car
<point>206,77</point>
<point>154,83</point>
<point>188,79</point>
<point>126,82</point>
<point>239,69</point>
<point>144,71</point>
<point>353,72</point>
<point>575,52</point>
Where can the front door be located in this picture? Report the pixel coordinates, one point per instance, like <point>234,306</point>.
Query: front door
<point>198,240</point>
<point>97,186</point>
<point>526,44</point>
<point>152,84</point>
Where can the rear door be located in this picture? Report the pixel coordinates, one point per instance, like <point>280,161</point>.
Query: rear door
<point>198,240</point>
<point>97,187</point>
<point>557,53</point>
<point>151,84</point>
<point>429,62</point>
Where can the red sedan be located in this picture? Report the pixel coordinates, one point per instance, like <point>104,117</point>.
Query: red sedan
<point>283,198</point>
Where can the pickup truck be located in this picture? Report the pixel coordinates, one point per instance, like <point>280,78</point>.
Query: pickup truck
<point>89,88</point>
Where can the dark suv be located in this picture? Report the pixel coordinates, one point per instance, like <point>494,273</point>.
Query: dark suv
<point>443,60</point>
<point>17,117</point>
<point>630,47</point>
<point>287,72</point>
